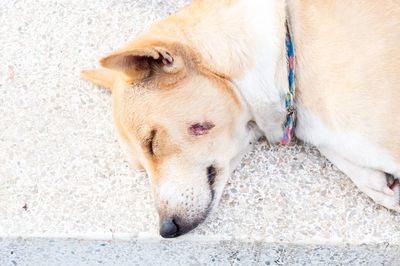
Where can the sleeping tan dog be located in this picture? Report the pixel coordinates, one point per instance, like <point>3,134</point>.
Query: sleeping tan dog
<point>192,94</point>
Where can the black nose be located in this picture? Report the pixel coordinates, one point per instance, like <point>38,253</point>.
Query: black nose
<point>169,229</point>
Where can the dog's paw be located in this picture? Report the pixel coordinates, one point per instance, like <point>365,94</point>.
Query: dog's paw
<point>387,195</point>
<point>394,185</point>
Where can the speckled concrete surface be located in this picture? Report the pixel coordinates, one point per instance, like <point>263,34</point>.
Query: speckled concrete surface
<point>62,173</point>
<point>83,252</point>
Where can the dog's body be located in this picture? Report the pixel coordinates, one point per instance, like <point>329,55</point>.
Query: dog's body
<point>185,93</point>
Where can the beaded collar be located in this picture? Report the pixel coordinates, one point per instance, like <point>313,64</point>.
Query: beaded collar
<point>290,122</point>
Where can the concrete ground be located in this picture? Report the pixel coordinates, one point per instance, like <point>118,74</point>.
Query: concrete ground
<point>65,185</point>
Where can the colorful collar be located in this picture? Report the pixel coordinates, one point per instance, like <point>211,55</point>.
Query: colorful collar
<point>290,122</point>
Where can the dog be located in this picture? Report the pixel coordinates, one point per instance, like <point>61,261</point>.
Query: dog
<point>193,93</point>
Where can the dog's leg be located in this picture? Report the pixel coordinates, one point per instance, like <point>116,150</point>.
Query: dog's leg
<point>370,181</point>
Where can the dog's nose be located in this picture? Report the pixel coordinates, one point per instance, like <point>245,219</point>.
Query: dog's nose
<point>169,229</point>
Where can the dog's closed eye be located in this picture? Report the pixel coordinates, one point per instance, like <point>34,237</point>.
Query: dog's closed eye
<point>150,142</point>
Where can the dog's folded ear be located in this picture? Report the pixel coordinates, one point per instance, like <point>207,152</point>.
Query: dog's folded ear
<point>147,60</point>
<point>101,77</point>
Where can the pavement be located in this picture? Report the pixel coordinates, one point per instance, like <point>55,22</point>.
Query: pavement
<point>69,197</point>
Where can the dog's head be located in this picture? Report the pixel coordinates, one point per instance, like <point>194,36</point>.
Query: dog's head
<point>181,122</point>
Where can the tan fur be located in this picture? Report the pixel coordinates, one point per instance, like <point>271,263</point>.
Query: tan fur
<point>188,26</point>
<point>347,73</point>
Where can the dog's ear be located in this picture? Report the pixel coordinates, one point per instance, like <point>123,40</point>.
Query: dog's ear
<point>139,63</point>
<point>101,77</point>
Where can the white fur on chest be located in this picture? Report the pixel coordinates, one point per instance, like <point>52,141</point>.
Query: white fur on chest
<point>258,88</point>
<point>350,146</point>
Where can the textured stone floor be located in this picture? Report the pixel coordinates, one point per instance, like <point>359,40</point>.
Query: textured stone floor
<point>83,252</point>
<point>62,173</point>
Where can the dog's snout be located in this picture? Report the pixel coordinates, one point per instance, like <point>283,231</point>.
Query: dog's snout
<point>169,228</point>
